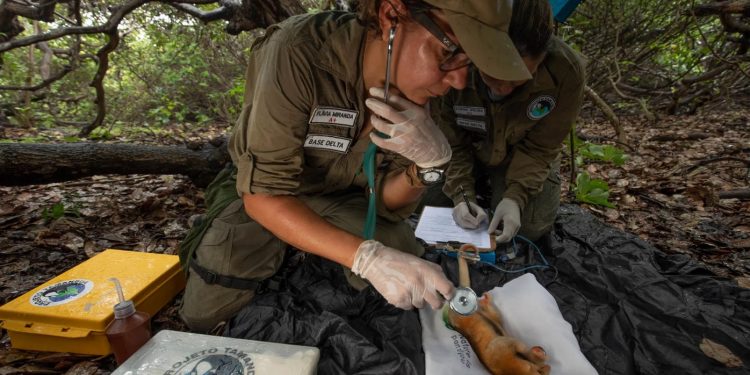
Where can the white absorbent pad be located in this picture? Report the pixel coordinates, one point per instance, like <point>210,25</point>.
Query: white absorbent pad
<point>529,313</point>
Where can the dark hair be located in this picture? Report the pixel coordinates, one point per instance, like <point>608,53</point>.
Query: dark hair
<point>367,12</point>
<point>531,27</point>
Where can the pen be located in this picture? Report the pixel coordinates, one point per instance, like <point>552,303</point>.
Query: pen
<point>466,199</point>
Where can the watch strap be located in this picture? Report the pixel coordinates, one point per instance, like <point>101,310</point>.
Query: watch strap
<point>412,176</point>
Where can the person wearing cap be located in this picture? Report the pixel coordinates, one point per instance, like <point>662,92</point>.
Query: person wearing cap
<point>511,131</point>
<point>313,100</point>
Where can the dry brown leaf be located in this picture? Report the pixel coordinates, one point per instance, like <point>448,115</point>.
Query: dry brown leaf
<point>24,197</point>
<point>743,282</point>
<point>720,353</point>
<point>89,247</point>
<point>612,214</point>
<point>72,241</point>
<point>83,368</point>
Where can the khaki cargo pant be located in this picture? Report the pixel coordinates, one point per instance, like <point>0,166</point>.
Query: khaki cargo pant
<point>538,216</point>
<point>235,245</point>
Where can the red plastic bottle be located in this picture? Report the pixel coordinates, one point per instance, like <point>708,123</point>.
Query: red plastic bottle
<point>130,329</point>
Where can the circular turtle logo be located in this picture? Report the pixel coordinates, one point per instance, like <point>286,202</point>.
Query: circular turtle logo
<point>541,107</point>
<point>61,293</point>
<point>214,361</point>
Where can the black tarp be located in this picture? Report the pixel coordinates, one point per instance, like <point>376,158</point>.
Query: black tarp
<point>634,309</point>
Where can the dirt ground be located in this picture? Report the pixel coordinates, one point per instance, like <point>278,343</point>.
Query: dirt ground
<point>670,192</point>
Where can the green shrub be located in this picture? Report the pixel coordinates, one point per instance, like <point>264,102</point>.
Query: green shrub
<point>593,191</point>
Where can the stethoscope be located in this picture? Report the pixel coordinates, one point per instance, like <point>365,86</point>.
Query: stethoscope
<point>388,56</point>
<point>464,301</point>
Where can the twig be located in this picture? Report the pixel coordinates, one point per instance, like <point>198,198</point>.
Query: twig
<point>705,162</point>
<point>67,69</point>
<point>738,194</point>
<point>608,112</point>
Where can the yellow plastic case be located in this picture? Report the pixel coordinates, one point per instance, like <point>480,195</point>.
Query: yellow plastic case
<point>71,312</point>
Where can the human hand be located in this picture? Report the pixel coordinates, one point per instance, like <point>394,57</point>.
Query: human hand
<point>412,132</point>
<point>509,213</point>
<point>463,217</point>
<point>404,280</point>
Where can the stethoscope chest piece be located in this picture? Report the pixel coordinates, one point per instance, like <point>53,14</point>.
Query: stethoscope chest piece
<point>464,301</point>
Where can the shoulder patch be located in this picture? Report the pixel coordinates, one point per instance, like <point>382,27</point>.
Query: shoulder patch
<point>464,110</point>
<point>474,125</point>
<point>334,116</point>
<point>327,142</point>
<point>540,107</point>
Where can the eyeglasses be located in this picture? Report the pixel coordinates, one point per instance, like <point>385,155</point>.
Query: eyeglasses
<point>458,58</point>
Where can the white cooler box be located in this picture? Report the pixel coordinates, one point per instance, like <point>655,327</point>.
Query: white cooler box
<point>172,352</point>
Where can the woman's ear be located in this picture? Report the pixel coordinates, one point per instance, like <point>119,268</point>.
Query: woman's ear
<point>388,15</point>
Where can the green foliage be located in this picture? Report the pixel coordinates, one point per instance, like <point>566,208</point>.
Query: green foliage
<point>168,68</point>
<point>650,45</point>
<point>104,134</point>
<point>593,191</point>
<point>591,151</point>
<point>22,117</point>
<point>178,72</point>
<point>605,153</point>
<point>59,210</point>
<point>588,190</point>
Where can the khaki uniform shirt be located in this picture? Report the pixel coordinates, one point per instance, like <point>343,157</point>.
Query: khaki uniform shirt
<point>299,131</point>
<point>524,131</point>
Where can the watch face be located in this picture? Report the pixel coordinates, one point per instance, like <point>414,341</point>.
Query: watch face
<point>432,176</point>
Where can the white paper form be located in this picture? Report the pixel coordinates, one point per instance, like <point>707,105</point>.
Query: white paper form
<point>436,225</point>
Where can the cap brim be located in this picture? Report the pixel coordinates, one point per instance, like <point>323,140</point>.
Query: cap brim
<point>490,49</point>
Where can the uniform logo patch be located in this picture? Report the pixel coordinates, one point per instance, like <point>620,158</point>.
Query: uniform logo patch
<point>540,107</point>
<point>471,124</point>
<point>327,142</point>
<point>334,116</point>
<point>464,110</point>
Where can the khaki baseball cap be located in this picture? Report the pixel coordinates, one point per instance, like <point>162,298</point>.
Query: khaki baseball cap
<point>481,27</point>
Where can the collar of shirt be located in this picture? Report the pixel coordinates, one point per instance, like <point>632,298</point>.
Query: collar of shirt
<point>337,55</point>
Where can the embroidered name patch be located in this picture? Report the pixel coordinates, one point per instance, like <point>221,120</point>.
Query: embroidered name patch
<point>540,107</point>
<point>326,142</point>
<point>463,110</point>
<point>333,116</point>
<point>471,124</point>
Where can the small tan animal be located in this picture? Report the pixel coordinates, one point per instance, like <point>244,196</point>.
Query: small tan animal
<point>500,354</point>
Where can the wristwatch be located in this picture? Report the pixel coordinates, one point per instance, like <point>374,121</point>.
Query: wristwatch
<point>430,176</point>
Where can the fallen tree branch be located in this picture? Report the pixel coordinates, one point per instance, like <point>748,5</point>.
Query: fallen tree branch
<point>601,139</point>
<point>732,7</point>
<point>679,137</point>
<point>705,162</point>
<point>737,194</point>
<point>25,164</point>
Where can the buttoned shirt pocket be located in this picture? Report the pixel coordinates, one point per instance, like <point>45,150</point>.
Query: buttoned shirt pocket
<point>520,129</point>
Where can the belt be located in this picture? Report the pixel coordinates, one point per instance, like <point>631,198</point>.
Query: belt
<point>211,277</point>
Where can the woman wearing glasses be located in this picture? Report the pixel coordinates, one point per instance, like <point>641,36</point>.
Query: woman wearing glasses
<point>512,131</point>
<point>314,95</point>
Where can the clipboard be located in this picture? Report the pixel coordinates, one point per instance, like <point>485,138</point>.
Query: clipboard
<point>436,227</point>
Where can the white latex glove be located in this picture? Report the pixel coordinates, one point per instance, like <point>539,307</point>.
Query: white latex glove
<point>465,219</point>
<point>404,280</point>
<point>509,213</point>
<point>412,132</point>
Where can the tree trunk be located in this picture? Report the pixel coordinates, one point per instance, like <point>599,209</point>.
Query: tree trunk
<point>26,164</point>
